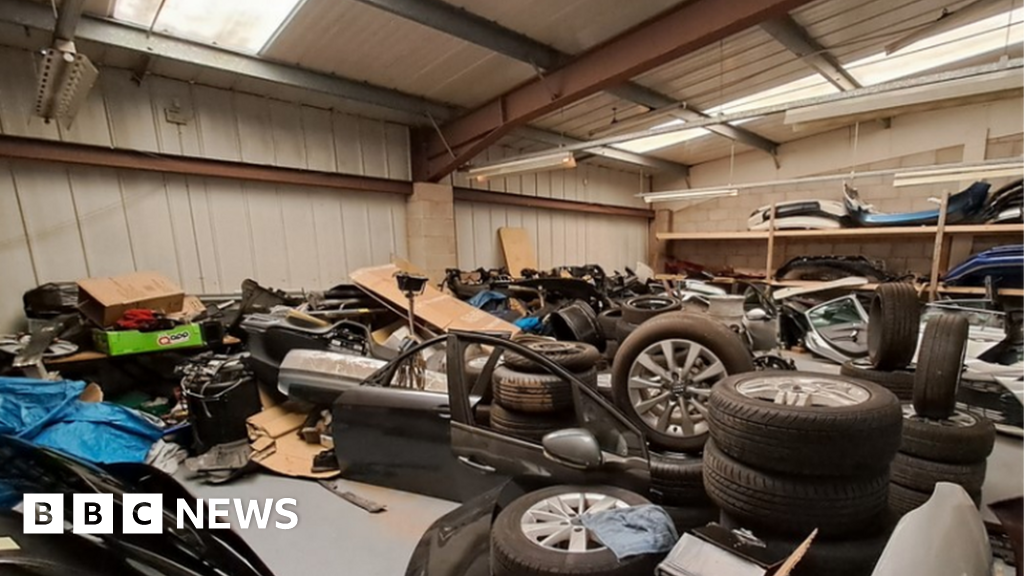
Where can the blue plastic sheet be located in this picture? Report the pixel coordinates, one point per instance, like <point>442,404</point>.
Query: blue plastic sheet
<point>49,414</point>
<point>483,299</point>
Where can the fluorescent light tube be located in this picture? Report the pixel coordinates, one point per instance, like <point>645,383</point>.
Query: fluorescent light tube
<point>558,161</point>
<point>687,195</point>
<point>955,174</point>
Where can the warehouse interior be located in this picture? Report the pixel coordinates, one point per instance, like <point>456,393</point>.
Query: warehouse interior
<point>483,288</point>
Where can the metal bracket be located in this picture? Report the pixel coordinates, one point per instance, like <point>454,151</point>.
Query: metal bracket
<point>440,135</point>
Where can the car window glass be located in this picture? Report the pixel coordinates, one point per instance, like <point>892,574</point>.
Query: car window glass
<point>843,311</point>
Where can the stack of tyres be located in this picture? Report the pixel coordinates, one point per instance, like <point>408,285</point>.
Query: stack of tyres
<point>791,452</point>
<point>529,401</point>
<point>637,310</point>
<point>893,324</point>
<point>940,442</point>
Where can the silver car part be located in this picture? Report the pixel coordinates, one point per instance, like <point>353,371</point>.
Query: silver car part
<point>669,385</point>
<point>944,537</point>
<point>554,523</point>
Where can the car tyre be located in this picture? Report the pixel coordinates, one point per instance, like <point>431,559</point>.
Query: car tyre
<point>703,351</point>
<point>678,480</point>
<point>527,425</point>
<point>960,439</point>
<point>899,382</point>
<point>903,499</point>
<point>536,392</point>
<point>607,321</point>
<point>853,429</point>
<point>920,474</point>
<point>513,553</point>
<point>792,504</point>
<point>623,329</point>
<point>573,356</point>
<point>640,309</point>
<point>940,365</point>
<point>893,325</point>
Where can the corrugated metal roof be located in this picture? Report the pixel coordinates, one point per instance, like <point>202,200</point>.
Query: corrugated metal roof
<point>571,26</point>
<point>751,62</point>
<point>350,39</point>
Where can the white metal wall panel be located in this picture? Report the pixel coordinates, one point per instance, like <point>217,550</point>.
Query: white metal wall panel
<point>559,238</point>
<point>220,124</point>
<point>61,223</point>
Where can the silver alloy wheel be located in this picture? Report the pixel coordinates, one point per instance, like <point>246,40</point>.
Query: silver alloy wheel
<point>804,391</point>
<point>554,522</point>
<point>959,419</point>
<point>669,385</point>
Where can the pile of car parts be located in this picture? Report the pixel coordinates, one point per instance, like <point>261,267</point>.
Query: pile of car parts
<point>791,452</point>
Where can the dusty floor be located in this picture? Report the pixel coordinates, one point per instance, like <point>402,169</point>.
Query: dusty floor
<point>333,536</point>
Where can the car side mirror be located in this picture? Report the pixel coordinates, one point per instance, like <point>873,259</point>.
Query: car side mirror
<point>757,315</point>
<point>573,447</point>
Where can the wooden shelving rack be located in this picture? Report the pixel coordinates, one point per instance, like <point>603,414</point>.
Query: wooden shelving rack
<point>946,241</point>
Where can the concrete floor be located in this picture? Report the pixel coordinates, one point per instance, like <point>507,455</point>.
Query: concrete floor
<point>334,536</point>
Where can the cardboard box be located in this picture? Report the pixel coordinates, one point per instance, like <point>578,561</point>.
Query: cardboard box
<point>119,343</point>
<point>105,300</point>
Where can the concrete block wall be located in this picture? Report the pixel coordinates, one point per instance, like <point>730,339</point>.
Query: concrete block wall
<point>430,218</point>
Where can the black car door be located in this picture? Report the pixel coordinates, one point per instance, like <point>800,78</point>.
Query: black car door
<point>477,445</point>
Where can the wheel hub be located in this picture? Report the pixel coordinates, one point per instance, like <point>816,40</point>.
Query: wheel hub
<point>804,391</point>
<point>556,523</point>
<point>669,384</point>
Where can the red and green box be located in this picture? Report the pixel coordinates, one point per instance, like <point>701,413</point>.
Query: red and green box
<point>121,342</point>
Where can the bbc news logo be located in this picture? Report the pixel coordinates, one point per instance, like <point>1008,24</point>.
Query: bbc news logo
<point>144,513</point>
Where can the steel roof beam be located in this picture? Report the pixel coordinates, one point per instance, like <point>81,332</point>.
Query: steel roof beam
<point>651,162</point>
<point>475,29</point>
<point>797,40</point>
<point>665,38</point>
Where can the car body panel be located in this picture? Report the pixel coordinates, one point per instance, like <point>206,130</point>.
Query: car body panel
<point>961,206</point>
<point>25,468</point>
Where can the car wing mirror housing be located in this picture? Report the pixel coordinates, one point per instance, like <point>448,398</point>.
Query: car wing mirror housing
<point>573,447</point>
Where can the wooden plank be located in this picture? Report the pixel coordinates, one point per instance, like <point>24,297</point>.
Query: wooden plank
<point>769,267</point>
<point>518,250</point>
<point>746,235</point>
<point>933,282</point>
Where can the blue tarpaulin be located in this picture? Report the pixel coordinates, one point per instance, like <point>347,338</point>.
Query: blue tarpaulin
<point>49,413</point>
